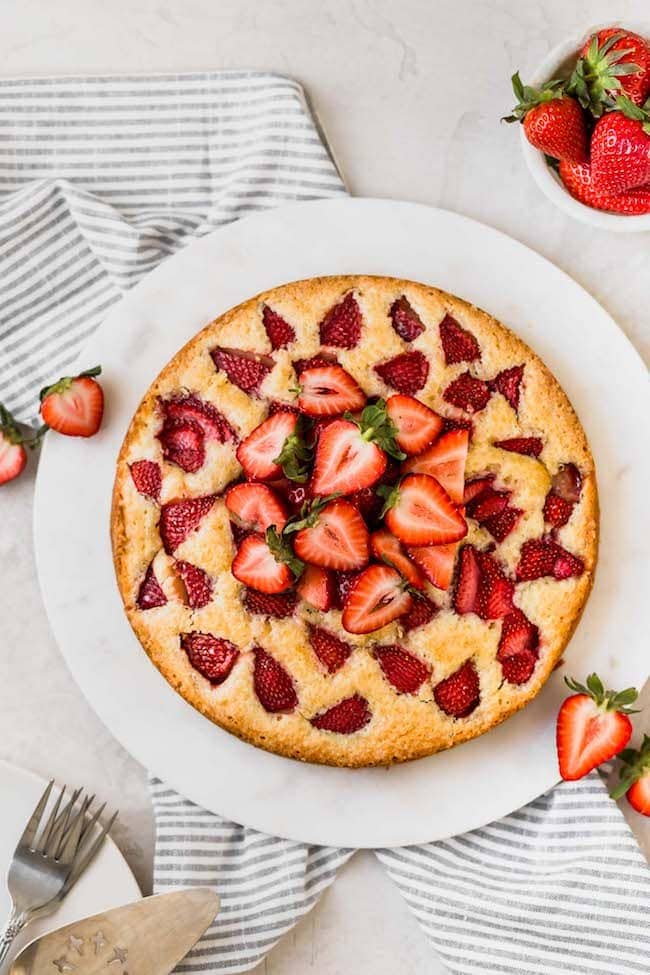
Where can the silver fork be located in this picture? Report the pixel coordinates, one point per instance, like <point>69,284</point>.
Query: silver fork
<point>51,855</point>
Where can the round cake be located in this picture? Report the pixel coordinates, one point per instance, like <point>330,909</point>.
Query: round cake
<point>355,521</point>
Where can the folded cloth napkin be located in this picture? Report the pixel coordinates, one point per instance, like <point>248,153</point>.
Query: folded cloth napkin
<point>100,179</point>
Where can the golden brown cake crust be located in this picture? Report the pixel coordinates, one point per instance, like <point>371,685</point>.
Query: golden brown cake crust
<point>402,726</point>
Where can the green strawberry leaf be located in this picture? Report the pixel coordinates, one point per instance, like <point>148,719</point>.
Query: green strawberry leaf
<point>282,551</point>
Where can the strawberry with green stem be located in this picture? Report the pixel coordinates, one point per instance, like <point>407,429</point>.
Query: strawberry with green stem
<point>74,405</point>
<point>13,456</point>
<point>553,121</point>
<point>612,62</point>
<point>620,148</point>
<point>634,781</point>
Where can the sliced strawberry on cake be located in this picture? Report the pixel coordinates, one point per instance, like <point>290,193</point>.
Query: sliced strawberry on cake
<point>386,548</point>
<point>416,426</point>
<point>376,597</point>
<point>256,507</point>
<point>420,512</point>
<point>333,536</point>
<point>445,461</point>
<point>258,454</point>
<point>327,391</point>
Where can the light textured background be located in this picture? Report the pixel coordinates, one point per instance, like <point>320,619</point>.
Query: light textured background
<point>410,93</point>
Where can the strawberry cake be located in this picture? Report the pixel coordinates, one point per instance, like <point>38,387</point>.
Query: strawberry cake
<point>355,521</point>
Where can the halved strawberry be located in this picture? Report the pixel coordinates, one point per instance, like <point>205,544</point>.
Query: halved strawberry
<point>406,321</point>
<point>467,393</point>
<point>416,426</point>
<point>459,694</point>
<point>280,333</point>
<point>178,519</point>
<point>508,383</point>
<point>13,456</point>
<point>342,324</point>
<point>338,538</point>
<point>329,390</point>
<point>74,405</point>
<point>638,795</point>
<point>256,506</point>
<point>496,591</point>
<point>274,687</point>
<point>316,586</point>
<point>147,478</point>
<point>386,548</point>
<point>278,605</point>
<point>345,460</point>
<point>458,344</point>
<point>376,597</point>
<point>189,407</point>
<point>407,373</point>
<point>592,726</point>
<point>402,669</point>
<point>258,453</point>
<point>331,651</point>
<point>248,370</point>
<point>344,718</point>
<point>420,512</point>
<point>421,612</point>
<point>445,461</point>
<point>468,582</point>
<point>198,584</point>
<point>255,565</point>
<point>557,511</point>
<point>214,657</point>
<point>634,779</point>
<point>543,557</point>
<point>182,443</point>
<point>436,561</point>
<point>518,647</point>
<point>531,446</point>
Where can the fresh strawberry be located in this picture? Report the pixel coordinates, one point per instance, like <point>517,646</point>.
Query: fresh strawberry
<point>612,62</point>
<point>496,591</point>
<point>421,612</point>
<point>420,512</point>
<point>500,525</point>
<point>543,557</point>
<point>13,455</point>
<point>620,149</point>
<point>273,685</point>
<point>334,537</point>
<point>256,506</point>
<point>331,651</point>
<point>567,483</point>
<point>342,324</point>
<point>178,519</point>
<point>182,443</point>
<point>322,360</point>
<point>436,561</point>
<point>214,657</point>
<point>255,565</point>
<point>344,718</point>
<point>345,460</point>
<point>553,121</point>
<point>578,181</point>
<point>388,549</point>
<point>405,672</point>
<point>468,582</point>
<point>459,694</point>
<point>508,383</point>
<point>467,393</point>
<point>279,605</point>
<point>445,461</point>
<point>150,593</point>
<point>635,777</point>
<point>557,511</point>
<point>343,582</point>
<point>518,647</point>
<point>407,373</point>
<point>259,452</point>
<point>248,370</point>
<point>376,597</point>
<point>531,446</point>
<point>328,391</point>
<point>416,426</point>
<point>458,345</point>
<point>74,405</point>
<point>190,408</point>
<point>280,333</point>
<point>198,584</point>
<point>476,487</point>
<point>592,726</point>
<point>405,320</point>
<point>316,586</point>
<point>147,478</point>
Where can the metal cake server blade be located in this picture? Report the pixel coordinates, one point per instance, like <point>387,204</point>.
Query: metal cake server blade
<point>148,937</point>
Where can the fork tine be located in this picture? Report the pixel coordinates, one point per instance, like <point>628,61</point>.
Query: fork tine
<point>90,823</point>
<point>84,857</point>
<point>70,839</point>
<point>60,826</point>
<point>29,832</point>
<point>49,825</point>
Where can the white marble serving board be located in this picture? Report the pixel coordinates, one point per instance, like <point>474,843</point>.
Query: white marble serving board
<point>422,800</point>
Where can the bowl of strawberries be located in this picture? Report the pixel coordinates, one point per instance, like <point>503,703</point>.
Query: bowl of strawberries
<point>585,126</point>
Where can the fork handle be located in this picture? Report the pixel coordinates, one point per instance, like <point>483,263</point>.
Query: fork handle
<point>10,932</point>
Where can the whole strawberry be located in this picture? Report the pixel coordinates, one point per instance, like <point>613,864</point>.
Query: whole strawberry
<point>612,62</point>
<point>578,179</point>
<point>74,405</point>
<point>620,148</point>
<point>13,455</point>
<point>553,122</point>
<point>635,777</point>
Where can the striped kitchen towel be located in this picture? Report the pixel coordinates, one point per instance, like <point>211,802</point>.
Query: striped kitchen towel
<point>558,886</point>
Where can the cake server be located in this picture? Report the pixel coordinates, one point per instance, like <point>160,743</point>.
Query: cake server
<point>148,937</point>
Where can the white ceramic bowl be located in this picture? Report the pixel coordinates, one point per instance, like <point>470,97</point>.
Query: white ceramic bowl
<point>555,62</point>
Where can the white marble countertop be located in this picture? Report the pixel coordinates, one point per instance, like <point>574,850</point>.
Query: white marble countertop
<point>410,93</point>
